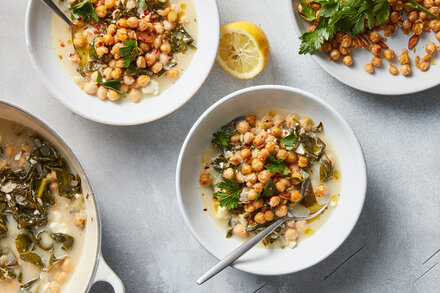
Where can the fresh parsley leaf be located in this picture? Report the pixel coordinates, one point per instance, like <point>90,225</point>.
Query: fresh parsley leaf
<point>277,166</point>
<point>312,41</point>
<point>307,11</point>
<point>296,179</point>
<point>269,189</point>
<point>129,52</point>
<point>231,194</point>
<point>99,78</point>
<point>222,137</point>
<point>114,84</point>
<point>84,10</point>
<point>289,142</point>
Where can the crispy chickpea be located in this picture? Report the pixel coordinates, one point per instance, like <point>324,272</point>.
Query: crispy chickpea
<point>245,154</point>
<point>261,125</point>
<point>274,201</point>
<point>205,179</point>
<point>111,29</point>
<point>346,41</point>
<point>369,68</point>
<point>172,16</point>
<point>437,35</point>
<point>26,148</point>
<point>268,215</point>
<point>54,286</point>
<point>276,131</point>
<point>258,187</point>
<point>115,50</point>
<point>347,60</point>
<point>141,62</point>
<point>158,27</point>
<point>234,160</point>
<point>135,95</point>
<point>264,176</point>
<point>252,195</point>
<point>295,196</point>
<point>124,88</point>
<point>128,80</point>
<point>109,4</point>
<point>101,11</point>
<point>376,49</point>
<point>280,186</point>
<point>393,70</point>
<point>251,119</point>
<point>122,34</point>
<point>321,190</point>
<point>228,173</point>
<point>248,138</point>
<point>143,80</point>
<point>157,67</point>
<point>80,220</point>
<point>243,127</point>
<point>101,51</point>
<point>249,208</point>
<point>165,47</point>
<point>303,162</point>
<point>404,57</point>
<point>417,27</point>
<point>376,61</point>
<point>258,140</point>
<point>235,138</point>
<point>240,230</point>
<point>113,95</point>
<point>259,203</point>
<point>281,211</point>
<point>271,147</point>
<point>431,48</point>
<point>259,218</point>
<point>424,65</point>
<point>108,39</point>
<point>435,25</point>
<point>389,30</point>
<point>263,155</point>
<point>122,23</point>
<point>413,16</point>
<point>102,93</point>
<point>246,169</point>
<point>132,22</point>
<point>422,16</point>
<point>90,88</point>
<point>282,154</point>
<point>388,54</point>
<point>405,70</point>
<point>240,177</point>
<point>395,16</point>
<point>428,3</point>
<point>268,121</point>
<point>79,41</point>
<point>151,59</point>
<point>116,73</point>
<point>335,54</point>
<point>290,235</point>
<point>374,36</point>
<point>291,157</point>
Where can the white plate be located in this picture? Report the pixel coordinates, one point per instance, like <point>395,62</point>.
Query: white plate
<point>381,82</point>
<point>44,60</point>
<point>308,252</point>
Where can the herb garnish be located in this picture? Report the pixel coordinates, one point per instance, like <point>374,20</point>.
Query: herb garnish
<point>83,10</point>
<point>222,137</point>
<point>416,6</point>
<point>99,78</point>
<point>114,84</point>
<point>348,16</point>
<point>129,52</point>
<point>231,194</point>
<point>289,142</point>
<point>277,166</point>
<point>269,188</point>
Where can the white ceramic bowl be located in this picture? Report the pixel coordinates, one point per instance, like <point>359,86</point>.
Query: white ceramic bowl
<point>48,68</point>
<point>381,82</point>
<point>329,237</point>
<point>91,267</point>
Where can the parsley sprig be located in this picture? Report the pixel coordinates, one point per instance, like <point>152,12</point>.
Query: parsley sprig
<point>129,52</point>
<point>275,165</point>
<point>230,195</point>
<point>289,142</point>
<point>113,84</point>
<point>348,16</point>
<point>84,10</point>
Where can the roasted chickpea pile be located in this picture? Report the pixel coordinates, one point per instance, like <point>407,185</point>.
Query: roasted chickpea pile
<point>264,168</point>
<point>411,21</point>
<point>128,47</point>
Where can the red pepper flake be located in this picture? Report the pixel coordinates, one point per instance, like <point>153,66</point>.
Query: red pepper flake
<point>62,44</point>
<point>95,32</point>
<point>228,192</point>
<point>71,55</point>
<point>205,210</point>
<point>206,167</point>
<point>308,190</point>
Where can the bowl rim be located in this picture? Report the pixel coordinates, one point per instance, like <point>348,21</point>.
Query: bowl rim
<point>55,93</point>
<point>348,129</point>
<point>85,176</point>
<point>323,64</point>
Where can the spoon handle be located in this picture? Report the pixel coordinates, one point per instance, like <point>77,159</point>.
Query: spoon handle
<point>55,9</point>
<point>242,249</point>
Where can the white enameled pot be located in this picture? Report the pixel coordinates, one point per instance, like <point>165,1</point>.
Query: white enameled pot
<point>91,267</point>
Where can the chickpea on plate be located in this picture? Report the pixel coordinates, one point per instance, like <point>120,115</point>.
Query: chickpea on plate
<point>339,27</point>
<point>126,48</point>
<point>260,167</point>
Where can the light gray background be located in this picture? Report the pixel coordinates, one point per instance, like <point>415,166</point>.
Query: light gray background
<point>145,239</point>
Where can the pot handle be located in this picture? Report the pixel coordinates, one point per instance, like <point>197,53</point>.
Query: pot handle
<point>105,273</point>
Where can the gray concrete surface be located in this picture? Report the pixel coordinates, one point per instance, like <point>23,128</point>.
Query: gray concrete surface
<point>145,239</point>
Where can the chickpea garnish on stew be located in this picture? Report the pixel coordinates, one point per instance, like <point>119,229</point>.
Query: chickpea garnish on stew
<point>260,167</point>
<point>338,27</point>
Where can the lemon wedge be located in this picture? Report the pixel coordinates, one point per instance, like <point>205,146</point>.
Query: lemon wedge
<point>243,50</point>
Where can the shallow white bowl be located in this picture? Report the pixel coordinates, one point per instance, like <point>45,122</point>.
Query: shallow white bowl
<point>48,68</point>
<point>308,252</point>
<point>381,82</point>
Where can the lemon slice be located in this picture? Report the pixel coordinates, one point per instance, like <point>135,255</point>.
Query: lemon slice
<point>244,49</point>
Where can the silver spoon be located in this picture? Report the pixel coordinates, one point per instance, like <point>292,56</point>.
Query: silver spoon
<point>58,11</point>
<point>242,249</point>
